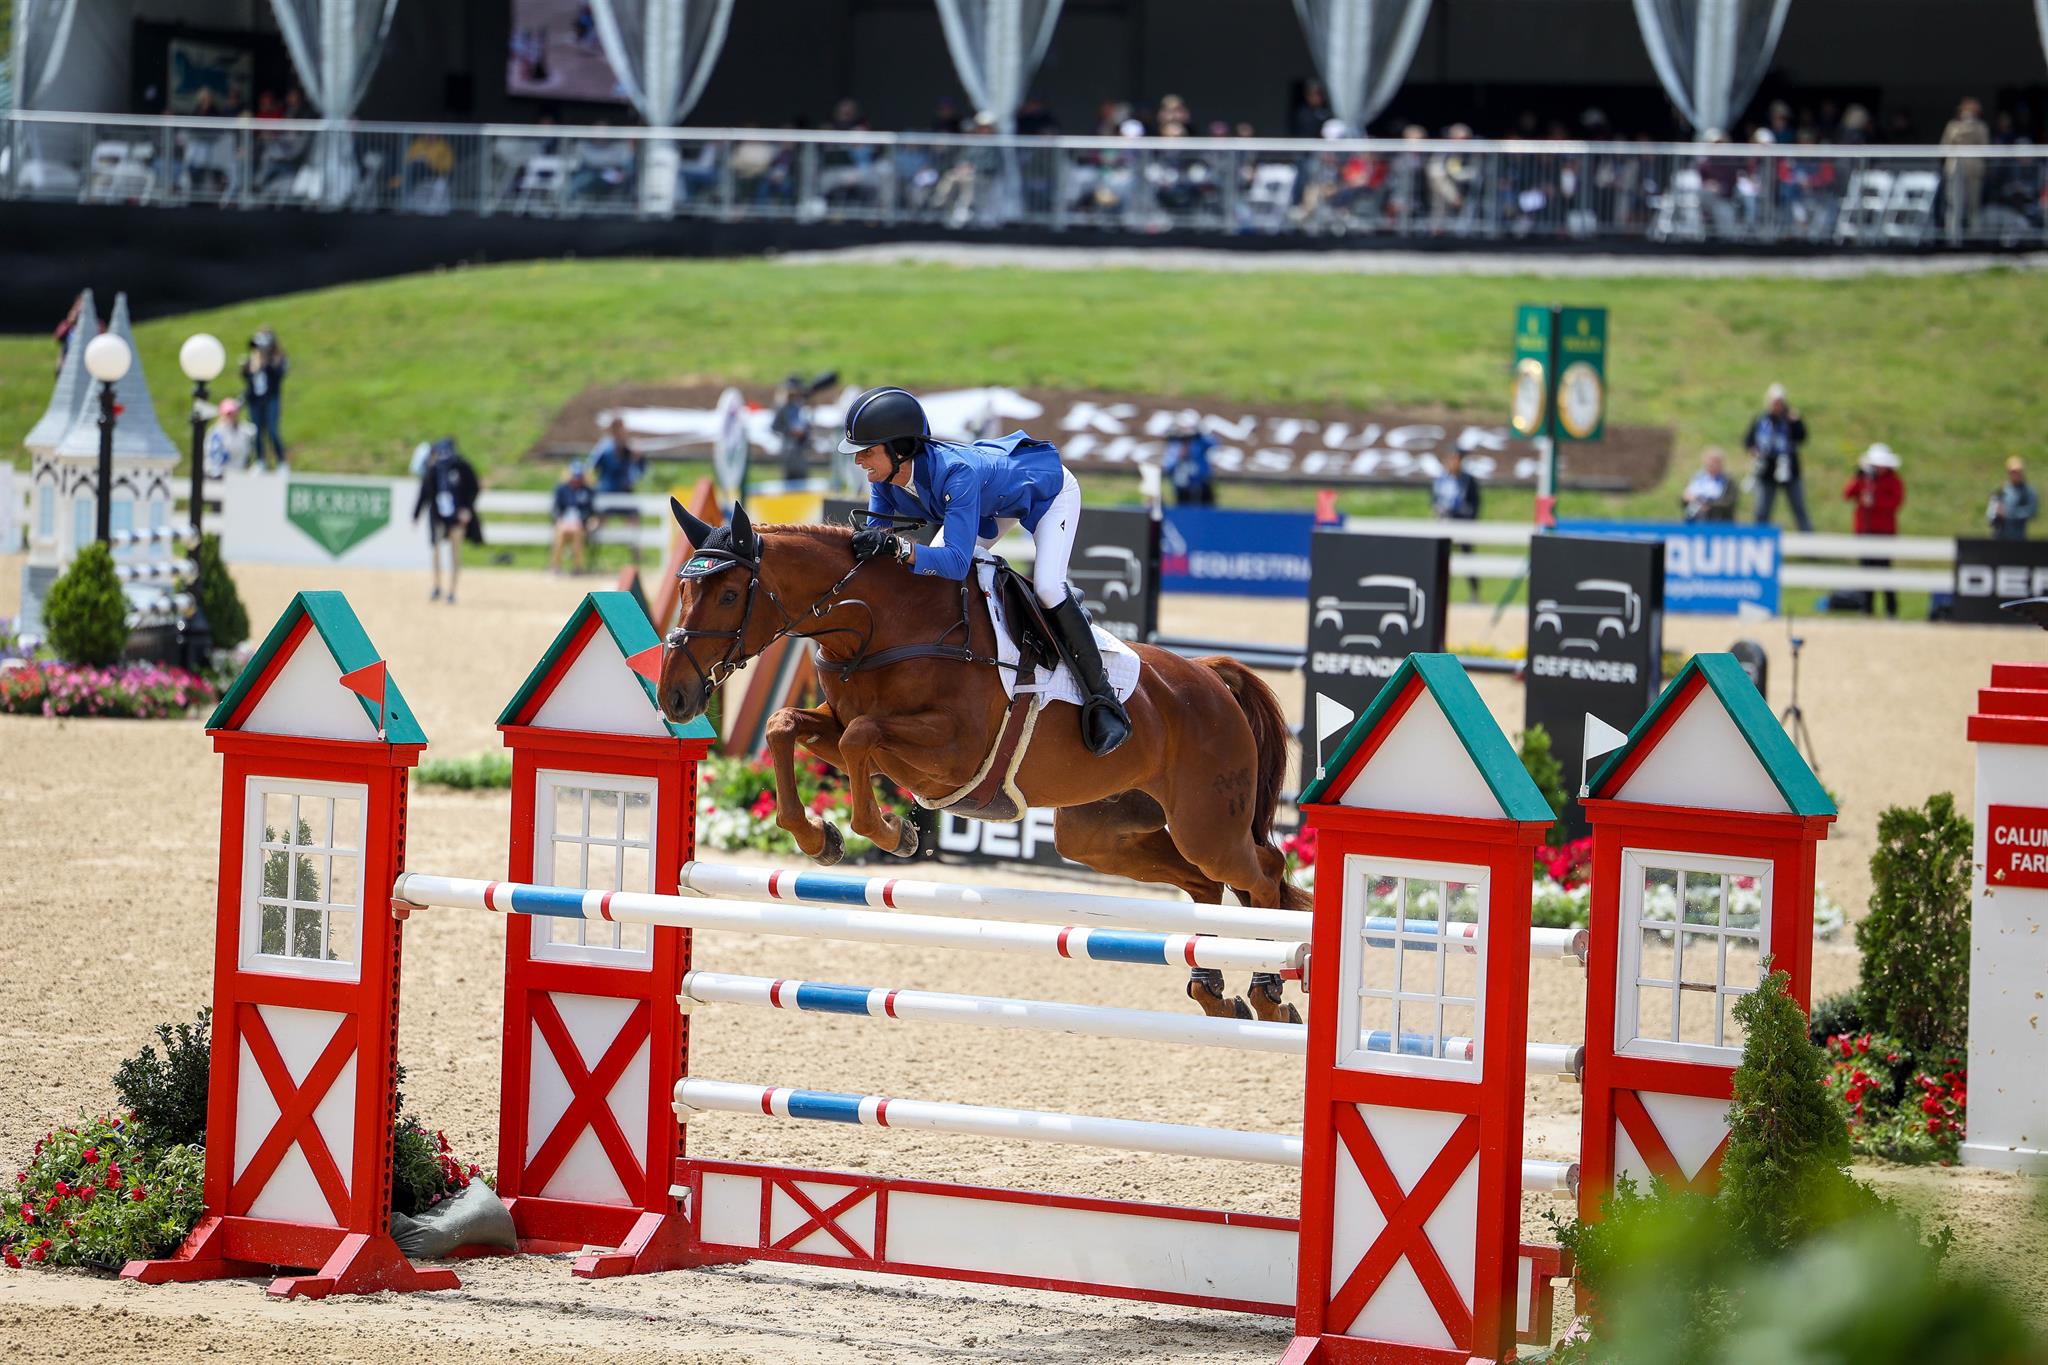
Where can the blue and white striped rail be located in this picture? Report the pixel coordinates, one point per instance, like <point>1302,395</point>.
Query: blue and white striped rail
<point>802,886</point>
<point>1052,1016</point>
<point>153,535</point>
<point>694,1096</point>
<point>857,926</point>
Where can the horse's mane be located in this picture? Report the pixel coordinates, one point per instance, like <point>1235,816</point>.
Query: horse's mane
<point>808,528</point>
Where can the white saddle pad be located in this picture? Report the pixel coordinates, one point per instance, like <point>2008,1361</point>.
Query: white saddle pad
<point>1119,660</point>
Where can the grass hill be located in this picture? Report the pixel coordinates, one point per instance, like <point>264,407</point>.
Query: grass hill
<point>1946,369</point>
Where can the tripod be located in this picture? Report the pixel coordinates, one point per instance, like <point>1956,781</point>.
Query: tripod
<point>1792,717</point>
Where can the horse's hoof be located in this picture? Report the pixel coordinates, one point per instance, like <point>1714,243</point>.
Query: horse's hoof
<point>906,841</point>
<point>1216,1004</point>
<point>1267,1003</point>
<point>834,849</point>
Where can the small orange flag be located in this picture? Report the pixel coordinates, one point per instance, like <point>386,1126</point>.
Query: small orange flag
<point>369,682</point>
<point>647,663</point>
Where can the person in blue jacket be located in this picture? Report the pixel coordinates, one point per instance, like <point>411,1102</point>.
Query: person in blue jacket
<point>972,492</point>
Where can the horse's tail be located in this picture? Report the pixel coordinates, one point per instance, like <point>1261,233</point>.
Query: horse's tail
<point>1269,736</point>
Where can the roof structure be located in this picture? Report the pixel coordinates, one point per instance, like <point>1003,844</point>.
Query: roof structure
<point>586,680</point>
<point>310,678</point>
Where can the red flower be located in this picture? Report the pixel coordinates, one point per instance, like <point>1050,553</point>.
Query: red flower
<point>40,1253</point>
<point>50,1204</point>
<point>91,1156</point>
<point>1934,1125</point>
<point>62,1188</point>
<point>12,1261</point>
<point>86,1192</point>
<point>28,1215</point>
<point>137,1194</point>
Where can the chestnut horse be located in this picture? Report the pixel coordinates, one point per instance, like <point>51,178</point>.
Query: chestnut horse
<point>1188,800</point>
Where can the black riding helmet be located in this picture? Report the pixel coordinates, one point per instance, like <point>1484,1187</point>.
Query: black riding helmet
<point>885,417</point>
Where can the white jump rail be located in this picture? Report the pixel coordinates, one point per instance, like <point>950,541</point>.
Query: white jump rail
<point>1053,1016</point>
<point>802,886</point>
<point>695,1096</point>
<point>859,926</point>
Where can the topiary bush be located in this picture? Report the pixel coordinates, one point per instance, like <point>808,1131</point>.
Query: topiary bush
<point>86,614</point>
<point>1916,939</point>
<point>226,617</point>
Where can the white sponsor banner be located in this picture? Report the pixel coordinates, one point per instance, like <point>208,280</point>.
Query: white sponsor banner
<point>288,518</point>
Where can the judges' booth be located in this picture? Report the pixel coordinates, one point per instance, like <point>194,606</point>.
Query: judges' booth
<point>1412,1172</point>
<point>1705,825</point>
<point>603,798</point>
<point>316,742</point>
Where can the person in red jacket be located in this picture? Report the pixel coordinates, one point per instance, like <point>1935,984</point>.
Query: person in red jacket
<point>1877,491</point>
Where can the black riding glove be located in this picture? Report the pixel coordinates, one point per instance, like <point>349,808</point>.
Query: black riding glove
<point>874,542</point>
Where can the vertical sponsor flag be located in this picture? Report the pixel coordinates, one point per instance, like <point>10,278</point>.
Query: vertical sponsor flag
<point>1331,716</point>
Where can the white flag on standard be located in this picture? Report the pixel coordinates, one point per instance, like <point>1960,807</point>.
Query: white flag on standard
<point>1601,739</point>
<point>1331,716</point>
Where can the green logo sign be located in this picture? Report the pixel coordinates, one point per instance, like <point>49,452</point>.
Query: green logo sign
<point>339,516</point>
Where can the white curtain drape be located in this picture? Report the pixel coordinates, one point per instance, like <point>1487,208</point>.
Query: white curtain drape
<point>42,30</point>
<point>662,51</point>
<point>997,46</point>
<point>1712,54</point>
<point>334,46</point>
<point>1362,49</point>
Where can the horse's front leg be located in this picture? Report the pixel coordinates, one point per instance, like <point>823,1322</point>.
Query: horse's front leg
<point>913,738</point>
<point>819,731</point>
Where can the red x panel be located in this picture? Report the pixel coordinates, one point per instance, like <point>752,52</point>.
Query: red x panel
<point>1642,1130</point>
<point>1406,1212</point>
<point>296,1103</point>
<point>589,1088</point>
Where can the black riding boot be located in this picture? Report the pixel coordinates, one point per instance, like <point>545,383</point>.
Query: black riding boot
<point>1104,724</point>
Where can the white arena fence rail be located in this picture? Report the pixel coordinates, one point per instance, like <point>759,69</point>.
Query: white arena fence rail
<point>1504,553</point>
<point>1680,194</point>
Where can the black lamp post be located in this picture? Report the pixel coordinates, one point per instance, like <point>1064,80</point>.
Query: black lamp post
<point>202,358</point>
<point>107,359</point>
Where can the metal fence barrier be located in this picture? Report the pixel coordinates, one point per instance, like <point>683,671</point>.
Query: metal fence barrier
<point>1682,194</point>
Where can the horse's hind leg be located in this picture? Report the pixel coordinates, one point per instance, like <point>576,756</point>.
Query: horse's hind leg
<point>1125,836</point>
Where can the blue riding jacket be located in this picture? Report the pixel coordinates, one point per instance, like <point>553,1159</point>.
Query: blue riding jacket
<point>966,488</point>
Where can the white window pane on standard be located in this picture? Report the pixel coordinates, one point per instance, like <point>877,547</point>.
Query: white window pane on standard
<point>601,841</point>
<point>348,826</point>
<point>317,815</point>
<point>1733,1034</point>
<point>343,943</point>
<point>639,826</point>
<point>1703,893</point>
<point>1375,1024</point>
<point>1660,895</point>
<point>1658,959</point>
<point>343,879</point>
<point>1461,1022</point>
<point>1654,1012</point>
<point>1745,963</point>
<point>277,818</point>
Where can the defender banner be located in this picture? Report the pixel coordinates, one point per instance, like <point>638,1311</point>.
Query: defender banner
<point>1373,601</point>
<point>1596,641</point>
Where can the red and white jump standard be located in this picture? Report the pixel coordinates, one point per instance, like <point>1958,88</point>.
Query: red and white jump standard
<point>1410,1227</point>
<point>316,744</point>
<point>1705,826</point>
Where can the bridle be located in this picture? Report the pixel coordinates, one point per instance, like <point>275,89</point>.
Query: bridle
<point>737,656</point>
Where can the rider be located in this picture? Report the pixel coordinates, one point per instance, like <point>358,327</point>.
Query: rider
<point>975,492</point>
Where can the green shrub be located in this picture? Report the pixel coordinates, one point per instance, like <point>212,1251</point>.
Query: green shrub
<point>226,617</point>
<point>1916,939</point>
<point>474,773</point>
<point>1835,1015</point>
<point>86,614</point>
<point>1548,775</point>
<point>167,1094</point>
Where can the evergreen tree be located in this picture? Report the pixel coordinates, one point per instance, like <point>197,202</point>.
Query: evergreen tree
<point>1548,775</point>
<point>1916,939</point>
<point>1786,1172</point>
<point>86,612</point>
<point>226,617</point>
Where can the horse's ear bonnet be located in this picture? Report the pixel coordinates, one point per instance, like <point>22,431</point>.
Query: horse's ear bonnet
<point>718,548</point>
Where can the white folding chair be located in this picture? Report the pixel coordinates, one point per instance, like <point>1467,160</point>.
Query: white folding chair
<point>1909,213</point>
<point>1863,205</point>
<point>1679,216</point>
<point>542,182</point>
<point>1271,194</point>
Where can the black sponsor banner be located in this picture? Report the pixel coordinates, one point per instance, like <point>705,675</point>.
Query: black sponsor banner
<point>1596,641</point>
<point>1115,567</point>
<point>1989,572</point>
<point>1372,601</point>
<point>1029,840</point>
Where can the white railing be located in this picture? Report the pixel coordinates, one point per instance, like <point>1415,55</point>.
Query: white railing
<point>1682,194</point>
<point>1793,545</point>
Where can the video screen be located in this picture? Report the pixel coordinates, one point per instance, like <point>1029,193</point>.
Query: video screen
<point>554,54</point>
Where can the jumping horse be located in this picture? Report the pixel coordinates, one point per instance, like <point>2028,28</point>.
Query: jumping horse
<point>909,669</point>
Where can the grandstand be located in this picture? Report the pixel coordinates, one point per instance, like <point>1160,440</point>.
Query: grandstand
<point>1804,125</point>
